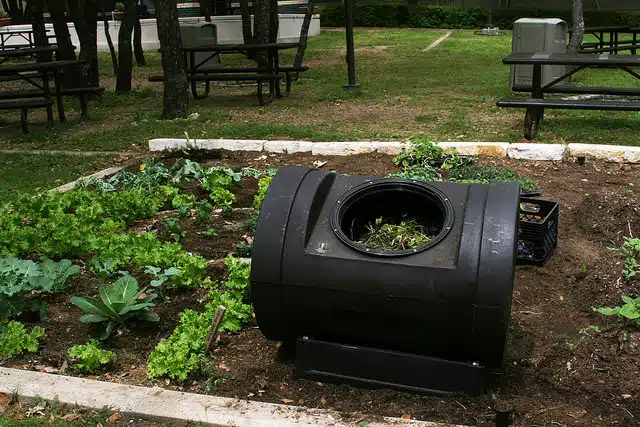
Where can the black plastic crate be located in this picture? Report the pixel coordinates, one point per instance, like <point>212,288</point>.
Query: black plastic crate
<point>538,230</point>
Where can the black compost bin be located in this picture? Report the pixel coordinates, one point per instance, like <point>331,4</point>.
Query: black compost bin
<point>431,318</point>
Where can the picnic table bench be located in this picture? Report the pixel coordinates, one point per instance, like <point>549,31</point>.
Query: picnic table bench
<point>536,105</point>
<point>39,74</point>
<point>200,70</point>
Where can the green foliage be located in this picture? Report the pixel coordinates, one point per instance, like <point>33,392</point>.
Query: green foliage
<point>630,250</point>
<point>58,224</point>
<point>217,182</point>
<point>399,14</point>
<point>20,278</point>
<point>90,358</point>
<point>205,209</point>
<point>263,186</point>
<point>141,250</point>
<point>244,249</point>
<point>183,203</point>
<point>160,277</point>
<point>173,229</point>
<point>426,161</point>
<point>103,271</point>
<point>629,312</point>
<point>184,170</point>
<point>483,174</point>
<point>209,233</point>
<point>252,224</point>
<point>150,176</point>
<point>15,339</point>
<point>118,303</point>
<point>178,355</point>
<point>422,152</point>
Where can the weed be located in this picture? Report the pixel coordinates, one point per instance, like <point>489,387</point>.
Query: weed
<point>209,233</point>
<point>631,251</point>
<point>629,313</point>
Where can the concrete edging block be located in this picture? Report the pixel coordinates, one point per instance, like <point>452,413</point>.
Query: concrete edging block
<point>288,147</point>
<point>487,149</point>
<point>526,151</point>
<point>341,148</point>
<point>158,402</point>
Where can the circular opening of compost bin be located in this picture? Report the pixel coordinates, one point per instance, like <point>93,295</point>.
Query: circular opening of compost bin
<point>392,217</point>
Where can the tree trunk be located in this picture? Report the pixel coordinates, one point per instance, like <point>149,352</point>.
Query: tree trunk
<point>85,19</point>
<point>125,54</point>
<point>112,49</point>
<point>261,23</point>
<point>137,42</point>
<point>274,21</point>
<point>245,11</point>
<point>205,9</point>
<point>577,36</point>
<point>63,37</point>
<point>36,10</point>
<point>221,7</point>
<point>304,35</point>
<point>16,11</point>
<point>176,97</point>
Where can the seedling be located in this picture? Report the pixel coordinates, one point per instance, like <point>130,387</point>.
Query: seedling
<point>631,251</point>
<point>161,277</point>
<point>172,229</point>
<point>205,209</point>
<point>209,233</point>
<point>244,249</point>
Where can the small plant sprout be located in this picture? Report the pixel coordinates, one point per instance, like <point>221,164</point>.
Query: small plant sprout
<point>209,233</point>
<point>161,277</point>
<point>630,250</point>
<point>173,229</point>
<point>629,313</point>
<point>203,214</point>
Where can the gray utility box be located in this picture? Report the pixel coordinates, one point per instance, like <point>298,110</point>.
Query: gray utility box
<point>199,34</point>
<point>534,35</point>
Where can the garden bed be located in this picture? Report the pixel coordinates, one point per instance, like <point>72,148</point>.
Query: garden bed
<point>556,370</point>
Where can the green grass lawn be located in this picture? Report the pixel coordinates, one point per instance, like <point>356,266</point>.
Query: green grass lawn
<point>448,93</point>
<point>26,172</point>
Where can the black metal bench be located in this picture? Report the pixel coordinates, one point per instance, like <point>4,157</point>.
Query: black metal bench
<point>535,108</point>
<point>81,93</point>
<point>26,104</point>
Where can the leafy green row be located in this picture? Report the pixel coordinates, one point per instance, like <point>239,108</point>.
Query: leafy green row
<point>178,355</point>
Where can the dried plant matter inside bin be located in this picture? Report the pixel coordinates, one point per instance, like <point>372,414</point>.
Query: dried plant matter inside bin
<point>386,235</point>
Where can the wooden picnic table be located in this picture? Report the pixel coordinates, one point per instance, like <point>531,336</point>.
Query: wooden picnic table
<point>33,71</point>
<point>536,105</point>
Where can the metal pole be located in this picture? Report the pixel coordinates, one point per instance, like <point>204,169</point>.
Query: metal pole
<point>351,55</point>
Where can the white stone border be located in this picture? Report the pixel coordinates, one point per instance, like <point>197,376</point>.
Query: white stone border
<point>523,151</point>
<point>168,404</point>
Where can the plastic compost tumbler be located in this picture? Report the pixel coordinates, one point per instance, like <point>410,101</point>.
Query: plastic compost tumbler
<point>430,319</point>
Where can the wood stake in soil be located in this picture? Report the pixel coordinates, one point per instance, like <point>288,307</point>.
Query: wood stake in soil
<point>213,332</point>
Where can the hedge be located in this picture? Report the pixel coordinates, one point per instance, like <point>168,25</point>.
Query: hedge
<point>389,14</point>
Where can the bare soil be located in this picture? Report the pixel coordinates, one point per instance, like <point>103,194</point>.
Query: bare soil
<point>553,374</point>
